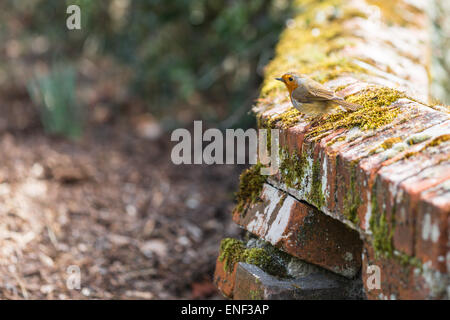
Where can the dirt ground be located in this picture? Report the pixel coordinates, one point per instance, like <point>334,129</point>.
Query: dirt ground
<point>112,205</point>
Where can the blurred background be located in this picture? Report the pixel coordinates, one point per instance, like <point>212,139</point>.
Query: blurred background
<point>86,178</point>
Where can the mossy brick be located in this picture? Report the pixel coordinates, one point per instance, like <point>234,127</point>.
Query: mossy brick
<point>382,169</point>
<point>225,279</point>
<point>401,185</point>
<point>432,211</point>
<point>352,170</point>
<point>400,277</point>
<point>252,283</point>
<point>303,231</point>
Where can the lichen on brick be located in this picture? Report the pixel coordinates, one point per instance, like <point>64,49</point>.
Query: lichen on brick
<point>433,143</point>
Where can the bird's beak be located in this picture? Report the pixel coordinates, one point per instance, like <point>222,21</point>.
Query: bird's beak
<point>279,79</point>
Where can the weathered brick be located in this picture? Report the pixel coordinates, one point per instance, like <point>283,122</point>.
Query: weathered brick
<point>391,184</point>
<point>399,194</point>
<point>401,278</point>
<point>254,284</point>
<point>225,279</point>
<point>303,231</point>
<point>432,243</point>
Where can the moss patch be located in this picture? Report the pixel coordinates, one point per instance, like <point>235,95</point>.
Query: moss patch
<point>316,196</point>
<point>433,143</point>
<point>255,295</point>
<point>250,187</point>
<point>438,140</point>
<point>286,119</point>
<point>382,232</point>
<point>233,251</point>
<point>407,260</point>
<point>292,167</point>
<point>376,111</point>
<point>388,143</point>
<point>352,199</point>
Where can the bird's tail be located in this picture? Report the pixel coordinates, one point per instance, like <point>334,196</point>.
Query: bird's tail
<point>347,105</point>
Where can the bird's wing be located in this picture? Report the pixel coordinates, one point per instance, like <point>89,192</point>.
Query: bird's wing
<point>312,91</point>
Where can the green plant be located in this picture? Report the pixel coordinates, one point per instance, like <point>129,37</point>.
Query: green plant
<point>201,56</point>
<point>54,95</point>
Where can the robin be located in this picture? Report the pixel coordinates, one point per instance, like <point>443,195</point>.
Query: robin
<point>312,98</point>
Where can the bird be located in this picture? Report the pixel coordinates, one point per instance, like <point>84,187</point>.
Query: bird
<point>312,98</point>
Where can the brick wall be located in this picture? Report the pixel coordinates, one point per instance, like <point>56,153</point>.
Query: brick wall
<point>360,206</point>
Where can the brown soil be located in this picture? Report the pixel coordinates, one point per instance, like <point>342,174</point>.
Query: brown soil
<point>112,204</point>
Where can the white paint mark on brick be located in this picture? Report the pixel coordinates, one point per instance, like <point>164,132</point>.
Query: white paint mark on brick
<point>259,225</point>
<point>272,196</point>
<point>325,191</point>
<point>430,231</point>
<point>275,233</point>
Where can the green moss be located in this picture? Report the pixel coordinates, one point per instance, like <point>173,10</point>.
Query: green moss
<point>352,200</point>
<point>417,138</point>
<point>438,140</point>
<point>382,237</point>
<point>333,141</point>
<point>250,187</point>
<point>255,295</point>
<point>233,251</point>
<point>382,233</point>
<point>292,167</point>
<point>286,119</point>
<point>433,143</point>
<point>388,143</point>
<point>375,111</point>
<point>259,257</point>
<point>407,260</point>
<point>316,196</point>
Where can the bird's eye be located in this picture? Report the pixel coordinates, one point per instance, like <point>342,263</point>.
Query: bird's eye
<point>290,79</point>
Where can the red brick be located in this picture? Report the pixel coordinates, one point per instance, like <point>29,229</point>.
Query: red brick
<point>402,184</point>
<point>252,283</point>
<point>432,243</point>
<point>303,231</point>
<point>224,280</point>
<point>402,281</point>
